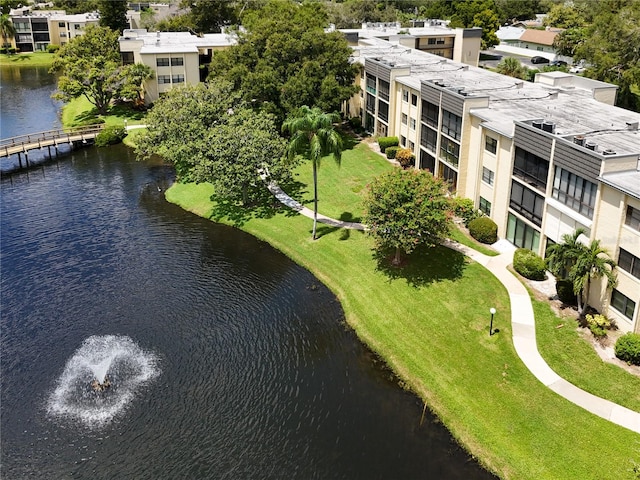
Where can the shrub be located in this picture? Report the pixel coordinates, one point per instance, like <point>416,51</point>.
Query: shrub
<point>3,49</point>
<point>356,123</point>
<point>628,348</point>
<point>464,208</point>
<point>110,136</point>
<point>12,50</point>
<point>484,230</point>
<point>405,157</point>
<point>598,324</point>
<point>51,48</point>
<point>391,152</point>
<point>564,289</point>
<point>386,142</point>
<point>528,264</point>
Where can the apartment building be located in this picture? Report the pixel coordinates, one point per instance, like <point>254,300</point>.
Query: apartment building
<point>175,57</point>
<point>541,159</point>
<point>37,29</point>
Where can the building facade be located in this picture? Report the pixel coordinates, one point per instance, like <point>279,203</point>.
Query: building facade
<point>541,159</point>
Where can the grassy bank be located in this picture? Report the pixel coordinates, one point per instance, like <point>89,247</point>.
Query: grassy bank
<point>31,59</point>
<point>429,321</point>
<point>80,111</point>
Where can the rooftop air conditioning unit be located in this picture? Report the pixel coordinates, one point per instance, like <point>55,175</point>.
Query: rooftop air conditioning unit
<point>591,146</point>
<point>548,126</point>
<point>579,140</point>
<point>537,124</point>
<point>608,151</point>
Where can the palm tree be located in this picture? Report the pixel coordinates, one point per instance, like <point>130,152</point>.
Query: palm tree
<point>592,263</point>
<point>561,257</point>
<point>512,67</point>
<point>313,136</point>
<point>7,29</point>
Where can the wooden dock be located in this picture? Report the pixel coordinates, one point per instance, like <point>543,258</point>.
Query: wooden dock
<point>22,144</point>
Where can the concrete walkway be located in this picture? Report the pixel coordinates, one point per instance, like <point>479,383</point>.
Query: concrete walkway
<point>522,321</point>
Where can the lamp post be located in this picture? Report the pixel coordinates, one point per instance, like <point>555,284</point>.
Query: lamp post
<point>493,312</point>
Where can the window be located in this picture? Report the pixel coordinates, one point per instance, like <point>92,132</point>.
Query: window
<point>531,168</point>
<point>404,118</point>
<point>574,191</point>
<point>521,234</point>
<point>403,140</point>
<point>451,124</point>
<point>61,24</point>
<point>414,100</point>
<point>383,111</point>
<point>490,144</point>
<point>449,175</point>
<point>77,26</point>
<point>164,79</point>
<point>177,78</point>
<point>629,263</point>
<point>63,34</point>
<point>405,95</point>
<point>487,175</point>
<point>431,41</point>
<point>427,162</point>
<point>430,114</point>
<point>371,103</point>
<point>428,138</point>
<point>412,123</point>
<point>383,90</point>
<point>177,61</point>
<point>22,27</point>
<point>485,206</point>
<point>162,62</point>
<point>623,304</point>
<point>127,58</point>
<point>449,151</point>
<point>371,84</point>
<point>527,203</point>
<point>411,146</point>
<point>632,219</point>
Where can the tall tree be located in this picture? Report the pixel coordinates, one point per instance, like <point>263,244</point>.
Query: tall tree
<point>407,208</point>
<point>560,257</point>
<point>512,67</point>
<point>89,65</point>
<point>73,7</point>
<point>134,76</point>
<point>313,136</point>
<point>284,59</point>
<point>7,29</point>
<point>113,14</point>
<point>210,16</point>
<point>592,263</point>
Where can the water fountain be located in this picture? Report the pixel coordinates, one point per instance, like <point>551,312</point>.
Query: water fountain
<point>101,378</point>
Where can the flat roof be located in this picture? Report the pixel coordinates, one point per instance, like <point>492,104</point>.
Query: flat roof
<point>627,182</point>
<point>175,42</point>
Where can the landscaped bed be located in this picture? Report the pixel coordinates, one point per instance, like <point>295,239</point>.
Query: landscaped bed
<point>429,321</point>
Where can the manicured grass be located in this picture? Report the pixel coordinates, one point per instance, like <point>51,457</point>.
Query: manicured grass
<point>132,135</point>
<point>574,359</point>
<point>341,188</point>
<point>80,111</point>
<point>31,59</point>
<point>429,321</point>
<point>461,237</point>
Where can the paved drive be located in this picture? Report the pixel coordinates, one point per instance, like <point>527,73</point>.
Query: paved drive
<point>522,322</point>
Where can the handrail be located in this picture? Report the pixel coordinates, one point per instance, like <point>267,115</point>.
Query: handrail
<point>32,138</point>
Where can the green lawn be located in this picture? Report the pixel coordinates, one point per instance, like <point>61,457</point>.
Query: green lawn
<point>80,111</point>
<point>31,59</point>
<point>429,321</point>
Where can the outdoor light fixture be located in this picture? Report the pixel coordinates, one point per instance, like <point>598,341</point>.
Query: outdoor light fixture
<point>493,312</point>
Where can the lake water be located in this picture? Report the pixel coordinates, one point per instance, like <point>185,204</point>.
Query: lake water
<point>253,373</point>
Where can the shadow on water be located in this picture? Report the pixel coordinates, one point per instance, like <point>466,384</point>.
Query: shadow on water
<point>424,266</point>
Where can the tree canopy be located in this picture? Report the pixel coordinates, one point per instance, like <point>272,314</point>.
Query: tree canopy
<point>512,67</point>
<point>113,14</point>
<point>284,59</point>
<point>209,136</point>
<point>89,65</point>
<point>407,208</point>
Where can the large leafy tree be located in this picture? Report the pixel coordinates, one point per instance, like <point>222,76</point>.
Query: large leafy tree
<point>113,14</point>
<point>210,16</point>
<point>7,30</point>
<point>313,136</point>
<point>407,208</point>
<point>89,65</point>
<point>284,59</point>
<point>512,67</point>
<point>134,76</point>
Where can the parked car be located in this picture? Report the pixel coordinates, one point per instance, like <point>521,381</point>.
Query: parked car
<point>536,60</point>
<point>577,69</point>
<point>558,63</point>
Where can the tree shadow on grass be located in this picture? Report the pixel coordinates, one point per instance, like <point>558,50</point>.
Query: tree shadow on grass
<point>323,229</point>
<point>123,111</point>
<point>424,266</point>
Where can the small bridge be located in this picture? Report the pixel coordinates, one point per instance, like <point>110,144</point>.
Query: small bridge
<point>22,144</point>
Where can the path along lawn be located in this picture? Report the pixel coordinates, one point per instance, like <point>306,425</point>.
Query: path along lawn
<point>429,321</point>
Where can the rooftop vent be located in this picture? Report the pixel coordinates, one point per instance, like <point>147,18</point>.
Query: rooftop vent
<point>591,145</point>
<point>608,151</point>
<point>537,124</point>
<point>548,126</point>
<point>579,140</point>
<point>632,126</point>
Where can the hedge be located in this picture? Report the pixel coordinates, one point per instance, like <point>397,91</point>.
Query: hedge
<point>386,142</point>
<point>529,265</point>
<point>391,152</point>
<point>484,230</point>
<point>110,136</point>
<point>628,348</point>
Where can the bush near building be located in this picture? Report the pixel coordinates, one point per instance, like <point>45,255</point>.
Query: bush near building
<point>484,230</point>
<point>386,142</point>
<point>391,152</point>
<point>564,289</point>
<point>405,157</point>
<point>529,265</point>
<point>465,209</point>
<point>628,348</point>
<point>598,324</point>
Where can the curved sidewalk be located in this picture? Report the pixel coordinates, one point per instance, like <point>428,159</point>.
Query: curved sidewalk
<point>522,323</point>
